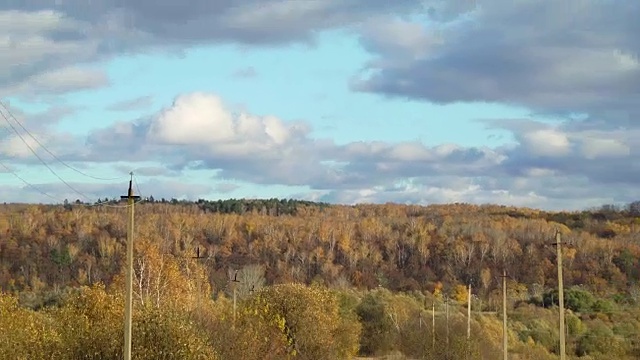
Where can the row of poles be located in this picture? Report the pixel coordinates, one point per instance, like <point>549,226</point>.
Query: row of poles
<point>130,197</point>
<point>561,326</point>
<point>505,338</point>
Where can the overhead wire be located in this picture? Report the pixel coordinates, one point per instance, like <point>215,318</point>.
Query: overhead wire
<point>35,153</point>
<point>135,181</point>
<point>9,170</point>
<point>50,152</point>
<point>15,130</point>
<point>37,189</point>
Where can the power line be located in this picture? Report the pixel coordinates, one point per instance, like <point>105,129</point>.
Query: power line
<point>40,158</point>
<point>135,180</point>
<point>47,150</point>
<point>12,172</point>
<point>34,187</point>
<point>47,165</point>
<point>27,183</point>
<point>130,197</point>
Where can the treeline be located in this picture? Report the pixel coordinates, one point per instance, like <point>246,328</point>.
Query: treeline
<point>273,206</point>
<point>405,249</point>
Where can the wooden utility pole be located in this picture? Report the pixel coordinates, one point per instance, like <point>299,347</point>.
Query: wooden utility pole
<point>505,339</point>
<point>129,271</point>
<point>558,244</point>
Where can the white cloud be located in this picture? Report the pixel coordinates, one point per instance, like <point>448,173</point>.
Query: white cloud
<point>446,149</point>
<point>586,64</point>
<point>544,165</point>
<point>578,57</point>
<point>402,40</point>
<point>594,148</point>
<point>535,172</point>
<point>410,152</point>
<point>15,147</point>
<point>23,22</point>
<point>200,119</point>
<point>61,81</point>
<point>547,142</point>
<point>193,119</point>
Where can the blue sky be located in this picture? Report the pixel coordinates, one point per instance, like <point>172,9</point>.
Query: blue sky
<point>336,102</point>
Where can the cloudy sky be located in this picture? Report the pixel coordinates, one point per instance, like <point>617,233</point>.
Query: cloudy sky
<point>531,102</point>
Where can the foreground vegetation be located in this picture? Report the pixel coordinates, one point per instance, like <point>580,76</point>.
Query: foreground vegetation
<point>316,281</point>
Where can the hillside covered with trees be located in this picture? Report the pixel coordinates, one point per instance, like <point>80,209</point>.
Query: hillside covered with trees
<point>317,281</point>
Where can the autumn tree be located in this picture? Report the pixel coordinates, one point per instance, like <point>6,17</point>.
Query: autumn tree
<point>311,319</point>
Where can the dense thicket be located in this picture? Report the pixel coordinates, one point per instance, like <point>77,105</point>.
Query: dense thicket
<point>418,251</point>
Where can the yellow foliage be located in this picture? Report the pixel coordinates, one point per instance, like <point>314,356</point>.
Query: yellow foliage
<point>90,326</point>
<point>437,292</point>
<point>309,317</point>
<point>461,294</point>
<point>26,334</point>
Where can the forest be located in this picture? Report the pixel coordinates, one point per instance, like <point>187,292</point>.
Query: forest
<point>316,281</point>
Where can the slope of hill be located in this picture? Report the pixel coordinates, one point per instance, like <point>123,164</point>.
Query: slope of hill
<point>429,253</point>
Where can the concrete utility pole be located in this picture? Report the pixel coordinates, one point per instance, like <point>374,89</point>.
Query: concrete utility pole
<point>234,285</point>
<point>433,327</point>
<point>468,349</point>
<point>505,339</point>
<point>446,309</point>
<point>129,271</point>
<point>469,314</point>
<point>198,285</point>
<point>558,244</point>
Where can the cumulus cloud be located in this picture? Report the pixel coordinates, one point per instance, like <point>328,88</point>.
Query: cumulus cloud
<point>199,131</point>
<point>59,81</point>
<point>575,57</point>
<point>604,148</point>
<point>43,51</point>
<point>546,142</point>
<point>41,39</point>
<point>577,60</point>
<point>548,166</point>
<point>201,119</point>
<point>22,134</point>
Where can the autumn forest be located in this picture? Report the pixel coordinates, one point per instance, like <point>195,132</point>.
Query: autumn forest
<point>316,281</point>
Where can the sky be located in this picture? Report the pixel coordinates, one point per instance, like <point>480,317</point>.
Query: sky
<point>531,103</point>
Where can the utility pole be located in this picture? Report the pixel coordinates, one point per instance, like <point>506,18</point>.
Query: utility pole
<point>468,349</point>
<point>198,285</point>
<point>234,281</point>
<point>558,244</point>
<point>505,339</point>
<point>469,314</point>
<point>446,309</point>
<point>433,327</point>
<point>129,271</point>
